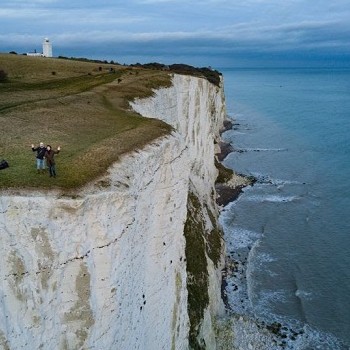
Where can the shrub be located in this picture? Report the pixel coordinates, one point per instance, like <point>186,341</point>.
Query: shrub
<point>213,76</point>
<point>3,76</point>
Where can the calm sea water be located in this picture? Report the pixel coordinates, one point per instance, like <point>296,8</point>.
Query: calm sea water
<point>289,234</point>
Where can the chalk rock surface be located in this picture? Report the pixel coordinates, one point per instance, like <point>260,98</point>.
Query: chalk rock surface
<point>105,268</point>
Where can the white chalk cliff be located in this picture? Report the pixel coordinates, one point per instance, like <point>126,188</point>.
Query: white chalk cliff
<point>109,267</point>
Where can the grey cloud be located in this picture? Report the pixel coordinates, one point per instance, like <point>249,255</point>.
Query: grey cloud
<point>6,14</point>
<point>237,37</point>
<point>209,28</point>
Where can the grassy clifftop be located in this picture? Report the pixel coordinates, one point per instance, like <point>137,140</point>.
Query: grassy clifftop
<point>80,106</point>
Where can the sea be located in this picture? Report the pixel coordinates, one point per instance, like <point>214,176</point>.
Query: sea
<point>288,235</point>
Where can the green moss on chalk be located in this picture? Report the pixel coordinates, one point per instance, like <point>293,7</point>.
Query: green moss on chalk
<point>214,240</point>
<point>197,271</point>
<point>224,175</point>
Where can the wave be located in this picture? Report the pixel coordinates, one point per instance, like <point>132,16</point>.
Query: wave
<point>272,198</point>
<point>245,150</point>
<point>264,149</point>
<point>267,298</point>
<point>302,336</point>
<point>303,294</point>
<point>239,243</point>
<point>250,271</point>
<point>266,179</point>
<point>240,238</point>
<point>315,339</point>
<point>266,258</point>
<point>292,334</point>
<point>240,132</point>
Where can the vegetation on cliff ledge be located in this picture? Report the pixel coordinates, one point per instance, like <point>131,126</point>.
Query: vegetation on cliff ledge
<point>200,244</point>
<point>229,184</point>
<point>80,106</point>
<point>212,75</point>
<point>197,270</point>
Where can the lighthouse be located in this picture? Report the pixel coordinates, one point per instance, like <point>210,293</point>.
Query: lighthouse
<point>47,48</point>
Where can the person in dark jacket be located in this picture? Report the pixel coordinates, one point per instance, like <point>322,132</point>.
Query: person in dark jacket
<point>49,156</point>
<point>40,154</point>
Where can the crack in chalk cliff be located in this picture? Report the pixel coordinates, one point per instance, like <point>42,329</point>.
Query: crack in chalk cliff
<point>166,163</point>
<point>175,185</point>
<point>177,157</point>
<point>88,252</point>
<point>80,257</point>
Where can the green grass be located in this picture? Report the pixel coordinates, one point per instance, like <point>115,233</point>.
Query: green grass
<point>82,107</point>
<point>17,94</point>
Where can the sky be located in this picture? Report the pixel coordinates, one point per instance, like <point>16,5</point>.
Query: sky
<point>216,33</point>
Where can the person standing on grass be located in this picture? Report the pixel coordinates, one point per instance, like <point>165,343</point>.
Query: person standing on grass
<point>49,156</point>
<point>40,154</point>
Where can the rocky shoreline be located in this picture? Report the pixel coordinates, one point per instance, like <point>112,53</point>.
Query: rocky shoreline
<point>239,331</point>
<point>229,184</point>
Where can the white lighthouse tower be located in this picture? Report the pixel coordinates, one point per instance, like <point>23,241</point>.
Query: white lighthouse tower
<point>47,48</point>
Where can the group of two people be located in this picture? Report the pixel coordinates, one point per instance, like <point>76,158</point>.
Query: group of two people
<point>45,153</point>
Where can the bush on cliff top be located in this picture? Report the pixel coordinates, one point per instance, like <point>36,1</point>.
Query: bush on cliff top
<point>213,76</point>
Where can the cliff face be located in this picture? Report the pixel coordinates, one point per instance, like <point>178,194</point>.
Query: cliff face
<point>133,260</point>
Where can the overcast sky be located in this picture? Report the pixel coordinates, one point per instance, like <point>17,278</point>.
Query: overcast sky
<point>216,33</point>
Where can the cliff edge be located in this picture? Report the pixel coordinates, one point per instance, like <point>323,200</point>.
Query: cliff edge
<point>131,261</point>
